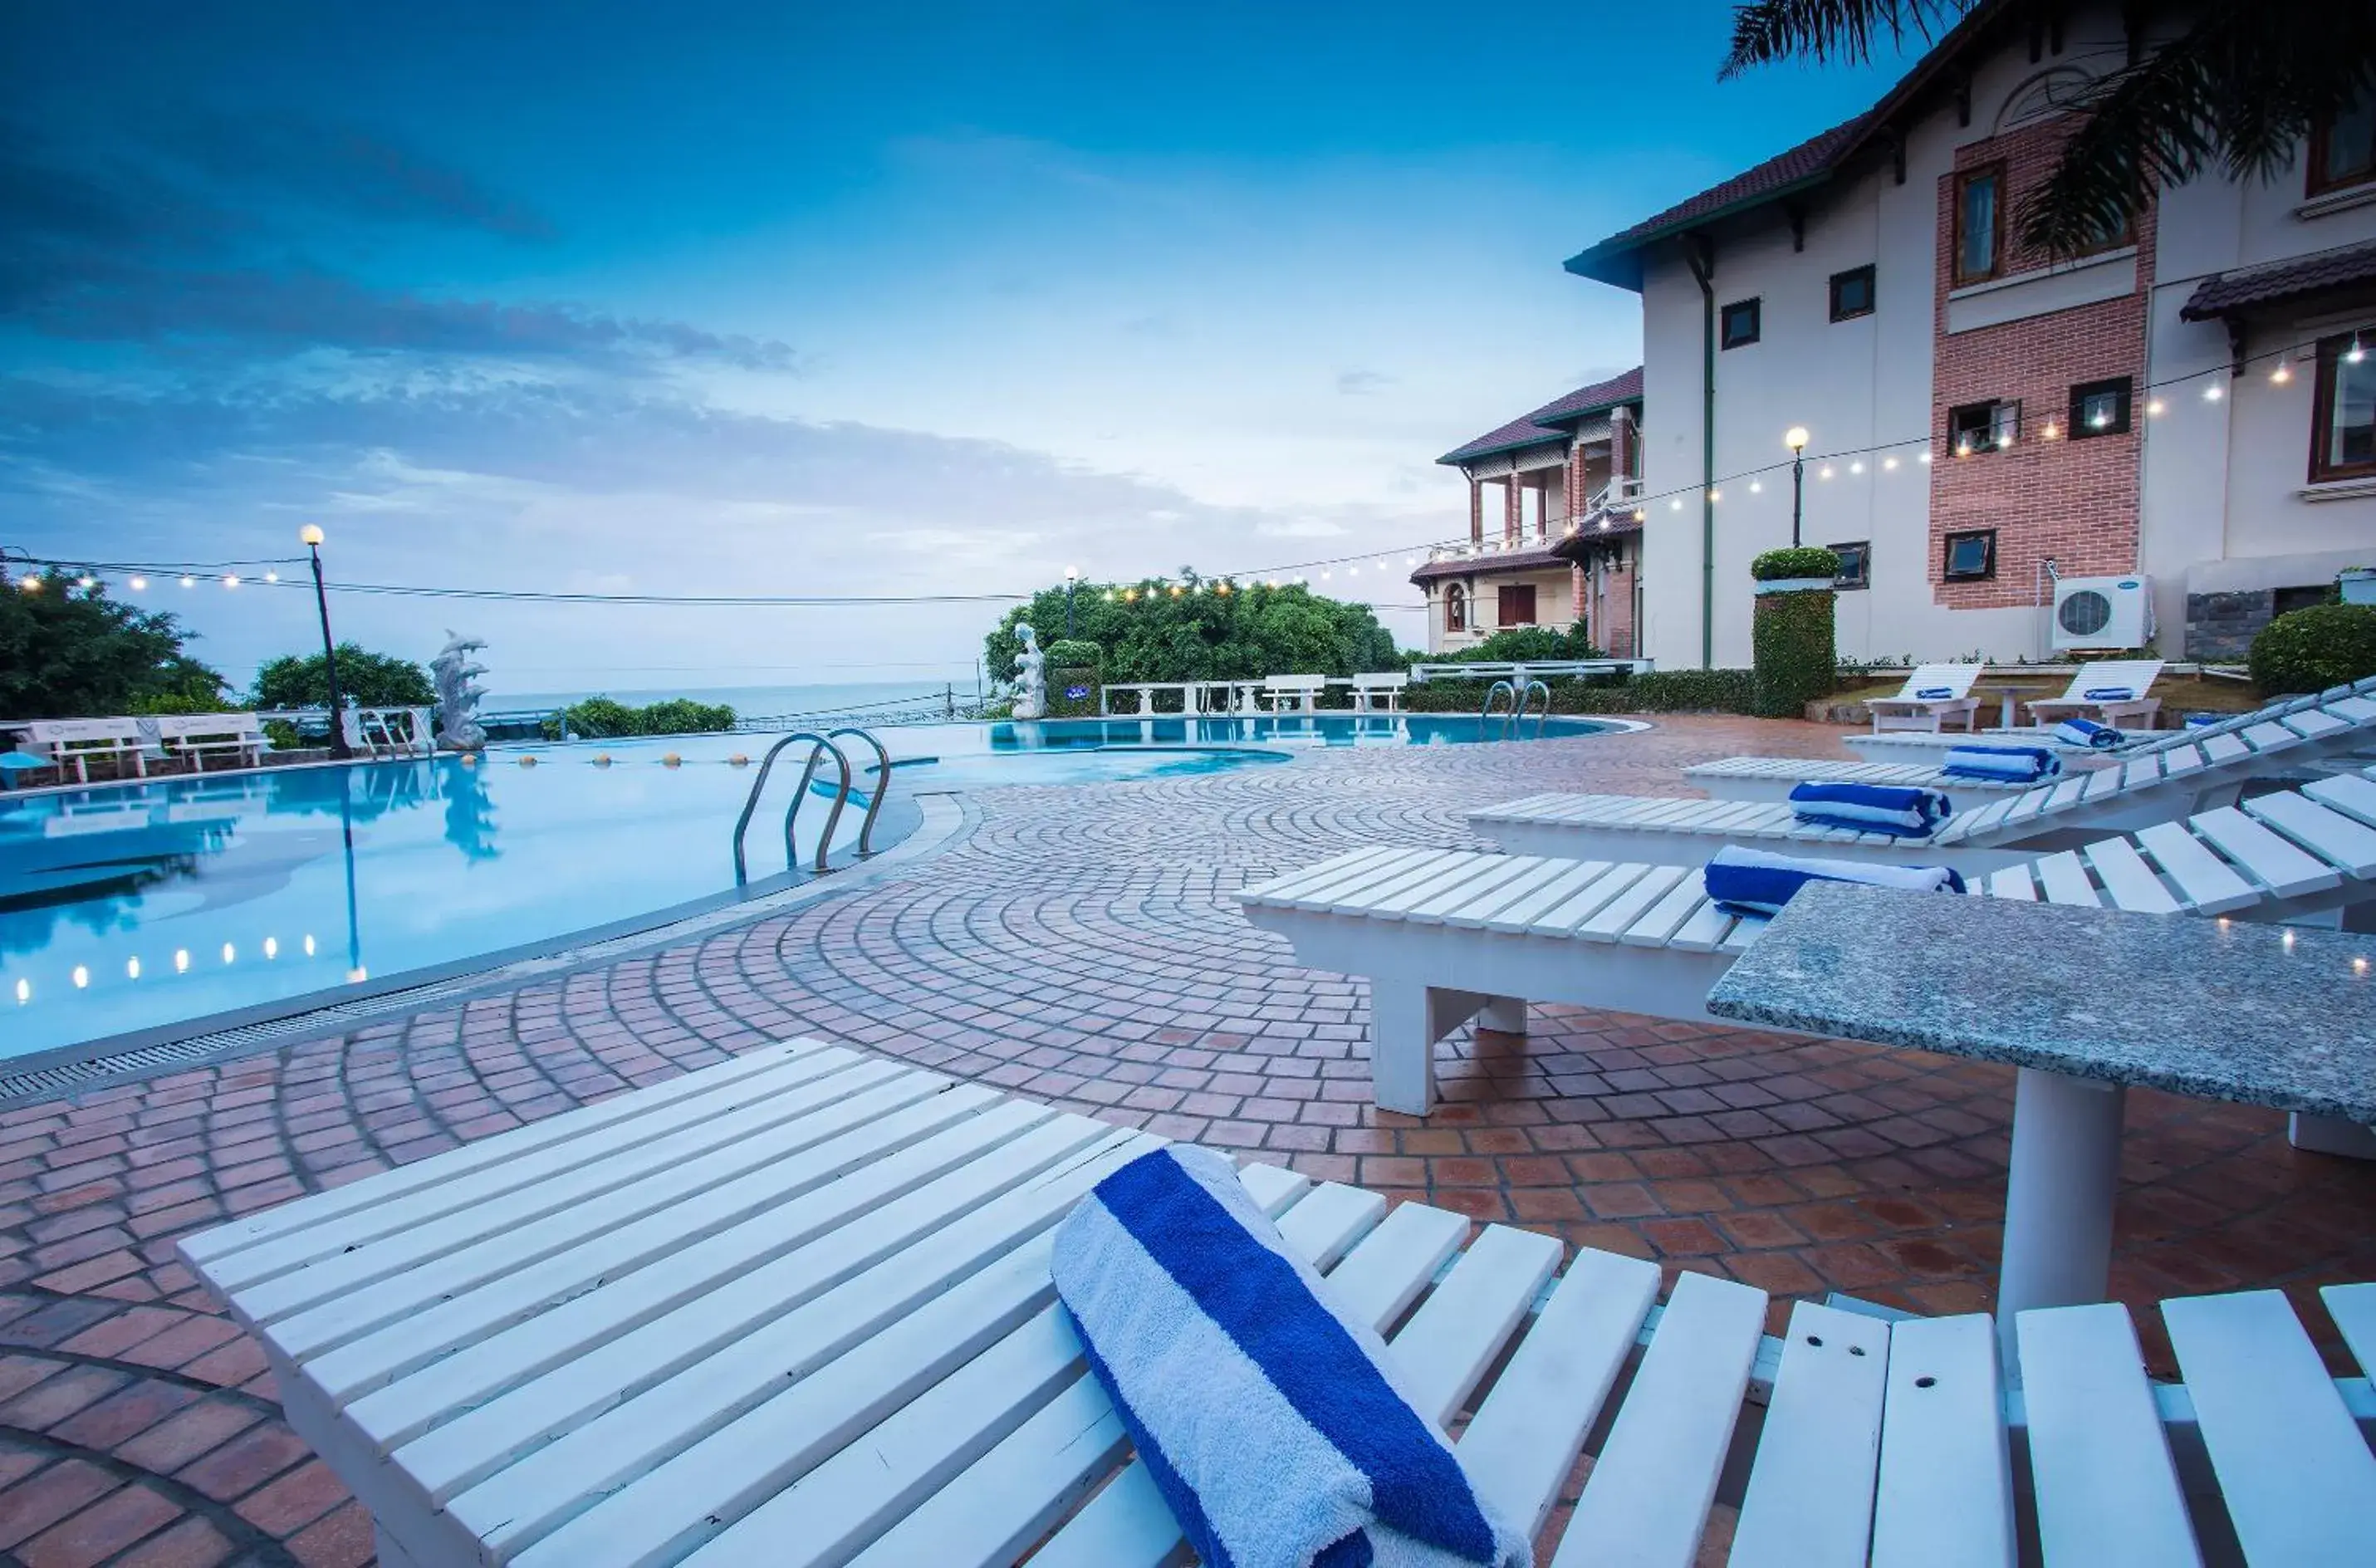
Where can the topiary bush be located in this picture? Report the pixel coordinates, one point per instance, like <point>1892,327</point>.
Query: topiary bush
<point>1074,653</point>
<point>1660,691</point>
<point>1790,634</point>
<point>2309,650</point>
<point>1796,561</point>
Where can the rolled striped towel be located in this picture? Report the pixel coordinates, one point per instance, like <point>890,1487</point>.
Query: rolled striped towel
<point>2110,694</point>
<point>2009,764</point>
<point>1268,1418</point>
<point>1758,882</point>
<point>2089,734</point>
<point>1871,808</point>
<point>1934,693</point>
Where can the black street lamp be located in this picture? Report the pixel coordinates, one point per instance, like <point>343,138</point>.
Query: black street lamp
<point>312,536</point>
<point>1796,439</point>
<point>1071,575</point>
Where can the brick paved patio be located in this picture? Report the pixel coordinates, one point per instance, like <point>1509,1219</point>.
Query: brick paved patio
<point>1077,946</point>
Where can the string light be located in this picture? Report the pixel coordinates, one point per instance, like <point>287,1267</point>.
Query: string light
<point>1857,466</point>
<point>81,978</point>
<point>1889,465</point>
<point>189,581</point>
<point>1826,472</point>
<point>2051,431</point>
<point>2283,374</point>
<point>86,582</point>
<point>2355,353</point>
<point>132,969</point>
<point>1757,487</point>
<point>275,576</point>
<point>2153,407</point>
<point>139,584</point>
<point>231,579</point>
<point>2213,393</point>
<point>1715,495</point>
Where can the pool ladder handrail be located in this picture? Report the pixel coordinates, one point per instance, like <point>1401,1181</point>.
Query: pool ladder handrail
<point>819,747</point>
<point>1521,690</point>
<point>882,783</point>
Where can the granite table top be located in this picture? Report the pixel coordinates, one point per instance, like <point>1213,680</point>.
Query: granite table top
<point>2262,1015</point>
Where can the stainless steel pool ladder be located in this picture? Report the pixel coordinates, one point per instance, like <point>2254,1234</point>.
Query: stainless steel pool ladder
<point>1520,689</point>
<point>820,747</point>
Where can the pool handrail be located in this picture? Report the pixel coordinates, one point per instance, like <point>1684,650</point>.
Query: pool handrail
<point>882,782</point>
<point>819,746</point>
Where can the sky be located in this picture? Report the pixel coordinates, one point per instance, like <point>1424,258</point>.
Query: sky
<point>790,299</point>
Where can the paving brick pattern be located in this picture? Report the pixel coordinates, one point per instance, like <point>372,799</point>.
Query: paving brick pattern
<point>1077,946</point>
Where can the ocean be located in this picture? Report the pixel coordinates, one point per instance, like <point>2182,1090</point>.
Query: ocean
<point>753,702</point>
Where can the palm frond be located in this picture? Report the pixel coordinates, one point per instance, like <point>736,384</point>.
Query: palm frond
<point>2240,89</point>
<point>1767,30</point>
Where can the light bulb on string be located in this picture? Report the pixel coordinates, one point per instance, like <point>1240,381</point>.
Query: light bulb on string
<point>189,581</point>
<point>231,579</point>
<point>2213,393</point>
<point>2283,374</point>
<point>2051,432</point>
<point>1715,495</point>
<point>1926,456</point>
<point>139,584</point>
<point>2153,407</point>
<point>1857,466</point>
<point>1757,487</point>
<point>1889,465</point>
<point>275,576</point>
<point>1826,472</point>
<point>86,582</point>
<point>2355,353</point>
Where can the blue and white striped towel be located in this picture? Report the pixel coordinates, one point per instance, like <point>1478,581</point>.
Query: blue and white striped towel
<point>1934,693</point>
<point>1871,808</point>
<point>2089,734</point>
<point>2011,765</point>
<point>2109,693</point>
<point>1758,882</point>
<point>1268,1419</point>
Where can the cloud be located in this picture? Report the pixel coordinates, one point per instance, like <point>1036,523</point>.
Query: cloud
<point>1362,382</point>
<point>123,250</point>
<point>347,168</point>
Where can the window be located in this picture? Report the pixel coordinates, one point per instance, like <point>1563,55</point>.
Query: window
<point>1741,319</point>
<point>2342,433</point>
<point>1983,427</point>
<point>1980,223</point>
<point>1856,564</point>
<point>2342,150</point>
<point>1455,608</point>
<point>2286,601</point>
<point>1517,606</point>
<point>2099,408</point>
<point>1971,557</point>
<point>1852,294</point>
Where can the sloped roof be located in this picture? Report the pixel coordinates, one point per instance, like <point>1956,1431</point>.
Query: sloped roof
<point>1539,558</point>
<point>2249,286</point>
<point>1811,164</point>
<point>1544,423</point>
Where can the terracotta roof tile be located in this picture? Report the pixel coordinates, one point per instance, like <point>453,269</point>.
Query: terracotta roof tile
<point>2250,286</point>
<point>1542,424</point>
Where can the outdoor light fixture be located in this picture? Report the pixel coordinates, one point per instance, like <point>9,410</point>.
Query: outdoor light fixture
<point>1071,575</point>
<point>2049,432</point>
<point>1640,516</point>
<point>1715,495</point>
<point>189,581</point>
<point>1826,472</point>
<point>139,584</point>
<point>231,579</point>
<point>271,576</point>
<point>1889,465</point>
<point>311,536</point>
<point>2355,353</point>
<point>1757,487</point>
<point>2282,374</point>
<point>1926,455</point>
<point>2213,393</point>
<point>2153,408</point>
<point>86,582</point>
<point>1795,438</point>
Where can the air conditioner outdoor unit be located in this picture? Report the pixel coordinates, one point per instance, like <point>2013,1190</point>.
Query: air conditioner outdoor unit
<point>2103,612</point>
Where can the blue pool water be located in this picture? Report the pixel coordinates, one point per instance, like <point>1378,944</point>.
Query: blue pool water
<point>131,908</point>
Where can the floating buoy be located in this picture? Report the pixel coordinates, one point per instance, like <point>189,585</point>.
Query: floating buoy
<point>469,759</point>
<point>601,759</point>
<point>672,760</point>
<point>738,760</point>
<point>528,762</point>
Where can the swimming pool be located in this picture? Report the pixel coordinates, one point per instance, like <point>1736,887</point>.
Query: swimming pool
<point>138,910</point>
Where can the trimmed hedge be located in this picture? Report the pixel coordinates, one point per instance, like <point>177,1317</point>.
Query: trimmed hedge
<point>1791,636</point>
<point>601,719</point>
<point>1074,653</point>
<point>2309,650</point>
<point>1658,691</point>
<point>1796,561</point>
<point>1063,682</point>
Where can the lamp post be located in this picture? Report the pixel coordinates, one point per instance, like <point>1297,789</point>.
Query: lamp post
<point>1071,575</point>
<point>310,534</point>
<point>1796,439</point>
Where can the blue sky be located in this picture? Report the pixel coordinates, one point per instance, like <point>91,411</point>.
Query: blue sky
<point>807,300</point>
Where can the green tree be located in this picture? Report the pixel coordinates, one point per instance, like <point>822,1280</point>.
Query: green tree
<point>69,652</point>
<point>1205,631</point>
<point>2232,85</point>
<point>365,679</point>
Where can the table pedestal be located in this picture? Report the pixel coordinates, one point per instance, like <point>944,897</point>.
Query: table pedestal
<point>2059,1199</point>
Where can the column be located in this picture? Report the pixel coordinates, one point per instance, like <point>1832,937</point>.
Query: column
<point>1476,511</point>
<point>1514,510</point>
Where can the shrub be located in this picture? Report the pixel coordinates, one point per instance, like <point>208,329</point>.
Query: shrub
<point>601,719</point>
<point>1520,645</point>
<point>1792,635</point>
<point>1797,561</point>
<point>1660,691</point>
<point>2309,650</point>
<point>1074,653</point>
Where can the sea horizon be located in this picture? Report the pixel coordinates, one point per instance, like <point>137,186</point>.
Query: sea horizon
<point>755,700</point>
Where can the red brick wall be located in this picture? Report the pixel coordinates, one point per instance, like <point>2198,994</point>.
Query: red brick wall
<point>1614,630</point>
<point>1514,501</point>
<point>1476,511</point>
<point>2073,500</point>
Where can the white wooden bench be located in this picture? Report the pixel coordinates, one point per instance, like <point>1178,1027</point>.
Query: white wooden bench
<point>1302,691</point>
<point>795,1309</point>
<point>1372,688</point>
<point>2141,789</point>
<point>198,736</point>
<point>77,742</point>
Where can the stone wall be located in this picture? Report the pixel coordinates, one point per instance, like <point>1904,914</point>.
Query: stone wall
<point>2221,627</point>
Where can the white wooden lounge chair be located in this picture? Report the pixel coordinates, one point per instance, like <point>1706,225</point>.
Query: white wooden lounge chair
<point>1445,935</point>
<point>2156,783</point>
<point>795,1309</point>
<point>1950,700</point>
<point>2293,733</point>
<point>2134,676</point>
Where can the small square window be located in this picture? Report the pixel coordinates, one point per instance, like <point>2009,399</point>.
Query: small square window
<point>2342,428</point>
<point>1975,428</point>
<point>2099,408</point>
<point>2343,149</point>
<point>1971,557</point>
<point>1741,319</point>
<point>1856,564</point>
<point>1852,294</point>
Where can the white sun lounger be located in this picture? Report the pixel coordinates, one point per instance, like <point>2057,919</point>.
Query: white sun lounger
<point>2293,731</point>
<point>1910,710</point>
<point>2148,785</point>
<point>2135,676</point>
<point>795,1309</point>
<point>1445,935</point>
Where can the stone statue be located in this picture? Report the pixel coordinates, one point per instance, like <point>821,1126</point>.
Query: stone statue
<point>458,695</point>
<point>1030,676</point>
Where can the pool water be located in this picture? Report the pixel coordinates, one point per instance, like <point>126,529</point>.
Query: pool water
<point>137,909</point>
